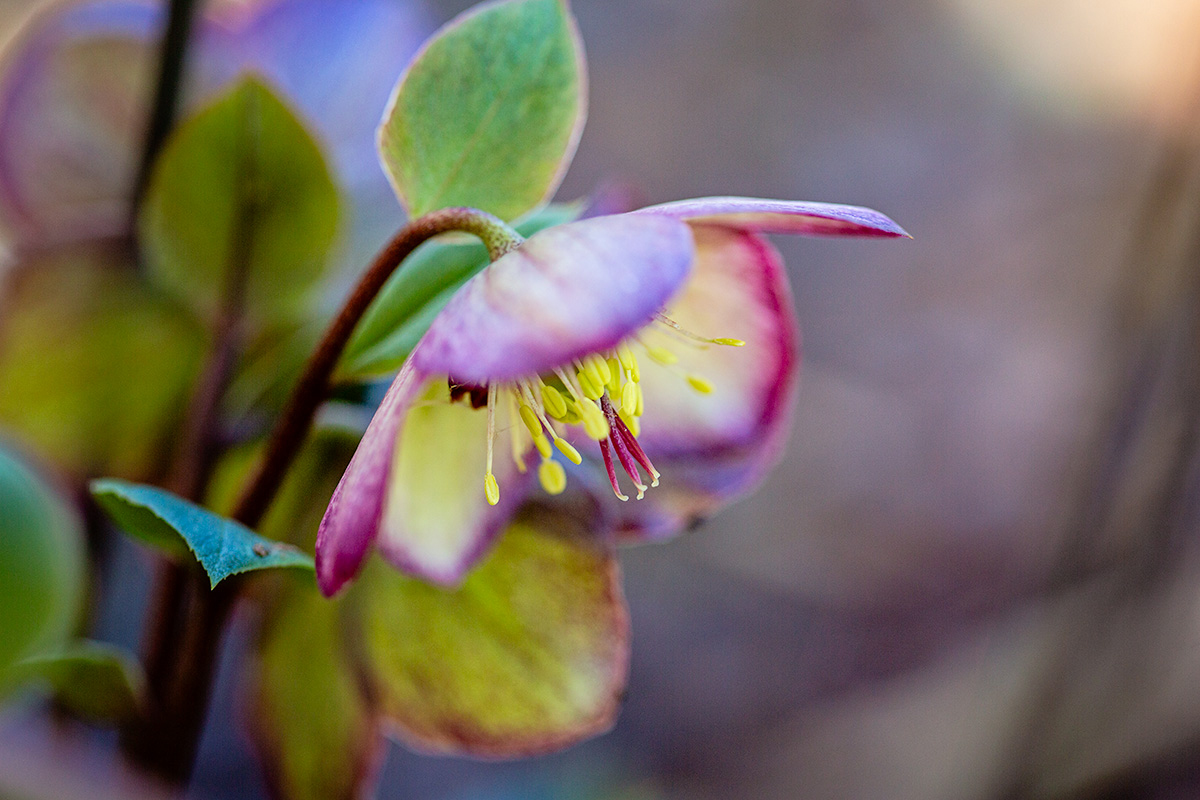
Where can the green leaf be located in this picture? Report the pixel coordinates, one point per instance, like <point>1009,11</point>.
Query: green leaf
<point>416,292</point>
<point>222,546</point>
<point>95,681</point>
<point>529,655</point>
<point>95,366</point>
<point>241,188</point>
<point>313,724</point>
<point>489,112</point>
<point>41,565</point>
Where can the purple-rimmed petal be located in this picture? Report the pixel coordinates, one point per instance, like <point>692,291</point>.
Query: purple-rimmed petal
<point>712,448</point>
<point>781,216</point>
<point>436,521</point>
<point>72,110</point>
<point>351,522</point>
<point>569,291</point>
<point>415,489</point>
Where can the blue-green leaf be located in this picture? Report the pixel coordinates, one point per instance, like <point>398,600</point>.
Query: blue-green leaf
<point>222,546</point>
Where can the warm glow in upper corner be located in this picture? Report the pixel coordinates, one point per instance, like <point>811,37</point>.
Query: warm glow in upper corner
<point>1124,57</point>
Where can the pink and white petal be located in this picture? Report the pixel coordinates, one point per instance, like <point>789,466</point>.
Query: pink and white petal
<point>712,448</point>
<point>782,216</point>
<point>738,289</point>
<point>351,522</point>
<point>569,291</point>
<point>72,113</point>
<point>436,522</point>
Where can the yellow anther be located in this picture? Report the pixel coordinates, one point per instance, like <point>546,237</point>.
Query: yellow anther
<point>591,367</point>
<point>529,417</point>
<point>662,355</point>
<point>599,364</point>
<point>591,389</point>
<point>729,342</point>
<point>555,405</point>
<point>567,450</point>
<point>491,489</point>
<point>614,377</point>
<point>626,356</point>
<point>699,384</point>
<point>596,428</point>
<point>628,361</point>
<point>641,402</point>
<point>594,423</point>
<point>552,476</point>
<point>633,423</point>
<point>629,398</point>
<point>543,445</point>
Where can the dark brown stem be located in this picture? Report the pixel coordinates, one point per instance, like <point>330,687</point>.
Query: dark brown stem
<point>189,620</point>
<point>186,619</point>
<point>172,58</point>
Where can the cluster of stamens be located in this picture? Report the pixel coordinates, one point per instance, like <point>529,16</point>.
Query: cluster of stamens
<point>601,392</point>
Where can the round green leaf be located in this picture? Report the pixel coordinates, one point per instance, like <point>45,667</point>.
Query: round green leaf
<point>241,188</point>
<point>41,565</point>
<point>489,112</point>
<point>313,723</point>
<point>529,655</point>
<point>95,366</point>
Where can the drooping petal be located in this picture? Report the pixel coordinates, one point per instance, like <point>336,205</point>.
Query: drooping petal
<point>72,113</point>
<point>351,522</point>
<point>436,521</point>
<point>714,447</point>
<point>566,292</point>
<point>781,216</point>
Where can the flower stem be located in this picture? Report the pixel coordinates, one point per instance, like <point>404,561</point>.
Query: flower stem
<point>189,616</point>
<point>313,385</point>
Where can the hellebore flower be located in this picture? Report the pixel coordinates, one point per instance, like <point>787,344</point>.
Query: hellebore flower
<point>618,330</point>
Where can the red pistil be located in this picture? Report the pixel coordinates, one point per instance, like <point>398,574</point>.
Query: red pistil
<point>606,451</point>
<point>630,441</point>
<point>620,444</point>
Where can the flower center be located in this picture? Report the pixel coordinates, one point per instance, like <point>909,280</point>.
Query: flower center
<point>601,393</point>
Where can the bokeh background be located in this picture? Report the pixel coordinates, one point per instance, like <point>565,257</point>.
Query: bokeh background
<point>974,574</point>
